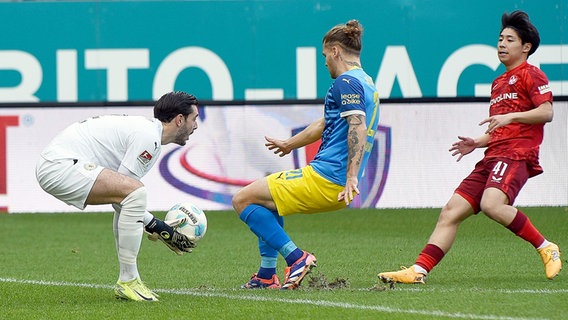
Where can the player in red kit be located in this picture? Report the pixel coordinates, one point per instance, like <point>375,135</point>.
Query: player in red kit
<point>521,103</point>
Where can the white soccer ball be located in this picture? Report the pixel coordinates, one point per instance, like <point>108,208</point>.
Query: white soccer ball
<point>196,223</point>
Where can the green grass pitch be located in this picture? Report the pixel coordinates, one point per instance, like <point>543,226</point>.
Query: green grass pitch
<point>63,266</point>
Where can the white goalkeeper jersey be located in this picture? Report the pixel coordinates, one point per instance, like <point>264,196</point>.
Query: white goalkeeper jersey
<point>110,141</point>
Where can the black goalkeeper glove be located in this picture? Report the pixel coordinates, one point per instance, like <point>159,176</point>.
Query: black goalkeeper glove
<point>166,232</point>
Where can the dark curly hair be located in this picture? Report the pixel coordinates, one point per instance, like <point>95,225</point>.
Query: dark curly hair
<point>173,103</point>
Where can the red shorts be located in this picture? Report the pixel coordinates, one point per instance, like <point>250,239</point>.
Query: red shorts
<point>504,174</point>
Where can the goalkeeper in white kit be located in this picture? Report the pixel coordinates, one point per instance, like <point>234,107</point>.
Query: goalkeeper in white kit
<point>101,161</point>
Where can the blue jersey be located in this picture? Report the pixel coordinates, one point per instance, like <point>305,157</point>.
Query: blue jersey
<point>353,92</point>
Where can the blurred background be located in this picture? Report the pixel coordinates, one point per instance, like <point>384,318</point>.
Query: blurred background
<point>257,68</point>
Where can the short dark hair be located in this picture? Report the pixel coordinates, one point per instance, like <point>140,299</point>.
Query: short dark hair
<point>173,103</point>
<point>520,22</point>
<point>347,35</point>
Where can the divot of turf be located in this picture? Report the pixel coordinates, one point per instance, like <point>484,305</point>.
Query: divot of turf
<point>381,287</point>
<point>318,280</point>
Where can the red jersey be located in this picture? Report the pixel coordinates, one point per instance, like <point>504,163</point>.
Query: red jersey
<point>521,89</point>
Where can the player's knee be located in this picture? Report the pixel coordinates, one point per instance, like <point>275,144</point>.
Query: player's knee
<point>490,208</point>
<point>448,216</point>
<point>236,201</point>
<point>136,200</point>
<point>496,211</point>
<point>239,201</point>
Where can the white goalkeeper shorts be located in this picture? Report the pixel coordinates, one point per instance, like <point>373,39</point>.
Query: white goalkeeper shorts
<point>69,180</point>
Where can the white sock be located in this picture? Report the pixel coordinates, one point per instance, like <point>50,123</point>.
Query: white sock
<point>147,217</point>
<point>130,231</point>
<point>128,272</point>
<point>543,244</point>
<point>117,209</point>
<point>419,269</point>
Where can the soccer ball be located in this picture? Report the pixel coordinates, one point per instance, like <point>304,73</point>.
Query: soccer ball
<point>196,222</point>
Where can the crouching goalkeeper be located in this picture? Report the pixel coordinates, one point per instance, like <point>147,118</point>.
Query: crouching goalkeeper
<point>101,161</point>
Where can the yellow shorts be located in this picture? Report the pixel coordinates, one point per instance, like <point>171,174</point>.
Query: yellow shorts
<point>303,191</point>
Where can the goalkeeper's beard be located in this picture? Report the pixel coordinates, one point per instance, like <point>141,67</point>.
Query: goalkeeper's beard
<point>182,136</point>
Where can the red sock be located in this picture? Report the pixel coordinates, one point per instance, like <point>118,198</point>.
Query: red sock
<point>522,227</point>
<point>430,256</point>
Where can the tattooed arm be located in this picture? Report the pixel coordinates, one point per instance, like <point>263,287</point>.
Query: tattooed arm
<point>356,140</point>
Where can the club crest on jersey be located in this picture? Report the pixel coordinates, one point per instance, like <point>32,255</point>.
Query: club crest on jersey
<point>513,79</point>
<point>145,157</point>
<point>90,166</point>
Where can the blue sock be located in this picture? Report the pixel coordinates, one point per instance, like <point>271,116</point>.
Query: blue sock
<point>265,225</point>
<point>279,218</point>
<point>268,260</point>
<point>293,256</point>
<point>267,268</point>
<point>289,251</point>
<point>269,256</point>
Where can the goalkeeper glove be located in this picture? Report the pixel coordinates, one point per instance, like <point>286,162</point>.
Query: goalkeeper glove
<point>166,232</point>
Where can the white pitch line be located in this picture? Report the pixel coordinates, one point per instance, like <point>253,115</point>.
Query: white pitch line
<point>323,303</point>
<point>474,289</point>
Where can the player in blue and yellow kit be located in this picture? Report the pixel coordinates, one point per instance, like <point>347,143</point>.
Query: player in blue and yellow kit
<point>329,182</point>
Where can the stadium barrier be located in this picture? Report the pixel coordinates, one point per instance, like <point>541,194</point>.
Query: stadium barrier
<point>410,166</point>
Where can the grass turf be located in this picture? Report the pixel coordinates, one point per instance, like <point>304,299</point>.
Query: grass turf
<point>63,266</point>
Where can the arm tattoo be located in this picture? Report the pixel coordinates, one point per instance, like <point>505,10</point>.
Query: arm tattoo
<point>355,147</point>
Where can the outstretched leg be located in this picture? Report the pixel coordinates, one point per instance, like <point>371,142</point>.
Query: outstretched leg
<point>453,213</point>
<point>495,205</point>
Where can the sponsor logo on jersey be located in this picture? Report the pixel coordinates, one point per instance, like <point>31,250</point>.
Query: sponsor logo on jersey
<point>544,89</point>
<point>145,157</point>
<point>350,98</point>
<point>504,96</point>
